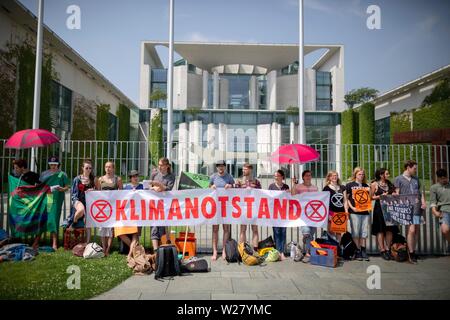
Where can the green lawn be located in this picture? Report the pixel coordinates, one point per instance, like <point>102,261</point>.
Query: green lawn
<point>46,276</point>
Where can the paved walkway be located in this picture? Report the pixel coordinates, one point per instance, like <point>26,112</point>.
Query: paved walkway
<point>429,279</point>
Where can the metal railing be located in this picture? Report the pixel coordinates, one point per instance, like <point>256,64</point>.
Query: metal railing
<point>199,159</point>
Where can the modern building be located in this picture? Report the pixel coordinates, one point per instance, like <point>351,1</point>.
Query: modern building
<point>408,97</point>
<point>238,101</point>
<point>76,90</point>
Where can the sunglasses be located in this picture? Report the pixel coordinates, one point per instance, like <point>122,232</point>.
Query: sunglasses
<point>88,168</point>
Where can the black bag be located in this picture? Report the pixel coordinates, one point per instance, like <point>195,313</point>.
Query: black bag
<point>348,246</point>
<point>232,252</point>
<point>398,238</point>
<point>266,243</point>
<point>167,264</point>
<point>194,265</point>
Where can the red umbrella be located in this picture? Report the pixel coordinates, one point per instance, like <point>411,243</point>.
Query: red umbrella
<point>31,138</point>
<point>294,154</point>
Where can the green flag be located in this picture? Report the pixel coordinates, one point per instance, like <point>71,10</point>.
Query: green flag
<point>28,207</point>
<point>193,181</point>
<point>55,199</point>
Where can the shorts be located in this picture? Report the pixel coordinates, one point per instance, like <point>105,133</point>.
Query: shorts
<point>158,232</point>
<point>105,232</point>
<point>359,224</point>
<point>445,219</point>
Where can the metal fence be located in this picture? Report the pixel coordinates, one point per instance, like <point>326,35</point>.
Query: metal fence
<point>199,159</point>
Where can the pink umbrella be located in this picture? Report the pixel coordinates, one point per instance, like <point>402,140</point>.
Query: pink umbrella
<point>294,154</point>
<point>31,138</point>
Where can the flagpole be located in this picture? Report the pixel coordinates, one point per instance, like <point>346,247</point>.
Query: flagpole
<point>170,84</point>
<point>301,109</point>
<point>37,80</point>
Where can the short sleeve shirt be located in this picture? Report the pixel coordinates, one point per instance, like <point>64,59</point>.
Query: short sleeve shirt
<point>274,186</point>
<point>407,186</point>
<point>129,186</point>
<point>301,188</point>
<point>220,181</point>
<point>336,198</point>
<point>349,189</point>
<point>167,180</point>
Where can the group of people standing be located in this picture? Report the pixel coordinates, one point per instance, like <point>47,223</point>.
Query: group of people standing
<point>341,201</point>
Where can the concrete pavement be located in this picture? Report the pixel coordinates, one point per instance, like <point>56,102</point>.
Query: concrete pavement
<point>429,279</point>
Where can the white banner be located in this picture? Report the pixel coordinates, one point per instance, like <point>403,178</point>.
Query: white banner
<point>206,206</point>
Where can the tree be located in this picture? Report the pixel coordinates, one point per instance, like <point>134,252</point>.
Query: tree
<point>358,96</point>
<point>440,93</point>
<point>158,95</point>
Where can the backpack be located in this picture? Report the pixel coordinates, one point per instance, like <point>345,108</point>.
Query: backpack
<point>348,246</point>
<point>140,262</point>
<point>167,264</point>
<point>92,251</point>
<point>266,243</point>
<point>231,251</point>
<point>248,255</point>
<point>194,264</point>
<point>399,248</point>
<point>78,250</point>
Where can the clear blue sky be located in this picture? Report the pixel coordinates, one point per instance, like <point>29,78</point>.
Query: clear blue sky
<point>414,38</point>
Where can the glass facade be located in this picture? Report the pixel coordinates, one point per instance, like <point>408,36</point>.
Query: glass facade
<point>238,90</point>
<point>158,82</point>
<point>61,108</point>
<point>323,91</point>
<point>112,129</point>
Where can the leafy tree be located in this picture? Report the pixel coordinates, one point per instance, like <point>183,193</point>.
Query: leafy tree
<point>440,93</point>
<point>358,96</point>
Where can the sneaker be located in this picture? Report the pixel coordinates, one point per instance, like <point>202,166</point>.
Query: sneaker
<point>358,255</point>
<point>364,254</point>
<point>388,253</point>
<point>385,255</point>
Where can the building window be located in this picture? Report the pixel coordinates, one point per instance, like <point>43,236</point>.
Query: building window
<point>323,91</point>
<point>262,90</point>
<point>383,131</point>
<point>112,129</point>
<point>159,82</point>
<point>61,108</point>
<point>238,90</point>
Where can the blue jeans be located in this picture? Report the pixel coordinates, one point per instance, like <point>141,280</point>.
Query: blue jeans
<point>308,236</point>
<point>279,234</point>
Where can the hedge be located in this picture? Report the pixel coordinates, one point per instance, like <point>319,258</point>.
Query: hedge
<point>156,136</point>
<point>102,122</point>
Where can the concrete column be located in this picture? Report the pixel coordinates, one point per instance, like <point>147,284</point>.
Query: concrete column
<point>338,151</point>
<point>272,90</point>
<point>224,93</point>
<point>216,90</point>
<point>222,147</point>
<point>205,90</point>
<point>291,132</point>
<point>183,146</point>
<point>263,142</point>
<point>209,157</point>
<point>276,143</point>
<point>195,145</point>
<point>252,93</point>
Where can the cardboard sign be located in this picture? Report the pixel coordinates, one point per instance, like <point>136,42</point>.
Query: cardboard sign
<point>362,199</point>
<point>338,222</point>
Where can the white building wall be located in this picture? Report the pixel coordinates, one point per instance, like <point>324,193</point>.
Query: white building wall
<point>287,88</point>
<point>224,96</point>
<point>205,76</point>
<point>183,145</point>
<point>338,89</point>
<point>272,90</point>
<point>195,141</point>
<point>263,146</point>
<point>194,90</point>
<point>180,87</point>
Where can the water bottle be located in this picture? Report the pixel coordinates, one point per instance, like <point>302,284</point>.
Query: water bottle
<point>293,251</point>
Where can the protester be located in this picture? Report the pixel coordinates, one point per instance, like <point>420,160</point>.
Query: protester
<point>81,183</point>
<point>279,233</point>
<point>124,233</point>
<point>409,184</point>
<point>160,181</point>
<point>21,171</point>
<point>338,200</point>
<point>59,182</point>
<point>307,232</point>
<point>220,179</point>
<point>440,201</point>
<point>108,182</point>
<point>382,186</point>
<point>359,220</point>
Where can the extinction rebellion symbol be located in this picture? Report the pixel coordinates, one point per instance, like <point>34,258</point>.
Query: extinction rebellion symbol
<point>101,210</point>
<point>316,211</point>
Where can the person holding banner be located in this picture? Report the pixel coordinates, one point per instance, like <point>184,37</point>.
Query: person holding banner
<point>358,200</point>
<point>220,179</point>
<point>59,182</point>
<point>124,233</point>
<point>384,233</point>
<point>279,233</point>
<point>82,183</point>
<point>247,181</point>
<point>161,180</point>
<point>440,201</point>
<point>409,184</point>
<point>307,232</point>
<point>338,200</point>
<point>108,182</point>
